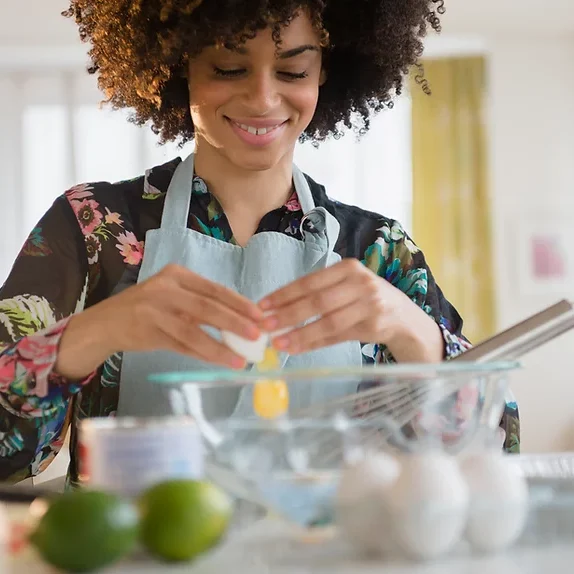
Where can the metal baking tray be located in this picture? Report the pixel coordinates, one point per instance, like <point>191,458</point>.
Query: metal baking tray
<point>559,466</point>
<point>551,484</point>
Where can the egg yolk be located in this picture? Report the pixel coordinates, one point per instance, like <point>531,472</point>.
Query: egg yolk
<point>270,398</point>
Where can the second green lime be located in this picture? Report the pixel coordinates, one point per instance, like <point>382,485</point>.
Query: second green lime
<point>182,519</point>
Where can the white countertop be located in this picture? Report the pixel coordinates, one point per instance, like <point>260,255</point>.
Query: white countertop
<point>269,547</point>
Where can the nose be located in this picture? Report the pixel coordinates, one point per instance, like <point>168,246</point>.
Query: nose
<point>262,92</point>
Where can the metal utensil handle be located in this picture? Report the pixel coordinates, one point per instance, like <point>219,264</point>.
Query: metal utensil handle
<point>525,336</point>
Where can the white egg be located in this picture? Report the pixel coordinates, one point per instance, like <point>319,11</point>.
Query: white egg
<point>361,505</point>
<point>429,503</point>
<point>251,351</point>
<point>499,501</point>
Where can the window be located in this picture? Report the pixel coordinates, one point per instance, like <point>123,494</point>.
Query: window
<point>55,135</point>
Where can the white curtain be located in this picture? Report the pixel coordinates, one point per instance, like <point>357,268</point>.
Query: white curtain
<point>54,135</point>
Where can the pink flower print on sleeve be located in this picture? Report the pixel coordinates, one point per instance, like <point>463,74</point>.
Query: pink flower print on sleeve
<point>88,215</point>
<point>130,248</point>
<point>113,218</point>
<point>79,192</point>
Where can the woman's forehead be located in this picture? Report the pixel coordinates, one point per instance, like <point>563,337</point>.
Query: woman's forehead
<point>298,33</point>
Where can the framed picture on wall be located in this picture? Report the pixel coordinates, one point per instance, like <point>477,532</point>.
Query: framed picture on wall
<point>546,255</point>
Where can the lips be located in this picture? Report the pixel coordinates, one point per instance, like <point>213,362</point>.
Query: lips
<point>257,127</point>
<point>257,131</point>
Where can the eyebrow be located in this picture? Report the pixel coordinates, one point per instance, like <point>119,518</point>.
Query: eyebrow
<point>287,53</point>
<point>297,51</point>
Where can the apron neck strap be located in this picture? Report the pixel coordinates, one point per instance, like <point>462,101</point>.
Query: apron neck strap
<point>178,197</point>
<point>303,191</point>
<point>318,216</point>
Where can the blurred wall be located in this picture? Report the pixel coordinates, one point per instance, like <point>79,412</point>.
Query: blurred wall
<point>532,152</point>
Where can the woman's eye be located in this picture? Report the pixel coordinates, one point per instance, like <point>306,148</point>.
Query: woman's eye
<point>229,73</point>
<point>236,72</point>
<point>293,75</point>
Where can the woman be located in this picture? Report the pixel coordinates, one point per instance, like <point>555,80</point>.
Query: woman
<point>117,280</point>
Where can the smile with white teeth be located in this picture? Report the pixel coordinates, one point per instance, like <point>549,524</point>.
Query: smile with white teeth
<point>256,131</point>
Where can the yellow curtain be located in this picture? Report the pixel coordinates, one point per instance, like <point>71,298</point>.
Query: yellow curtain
<point>451,216</point>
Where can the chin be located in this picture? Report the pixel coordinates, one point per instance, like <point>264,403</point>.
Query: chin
<point>259,160</point>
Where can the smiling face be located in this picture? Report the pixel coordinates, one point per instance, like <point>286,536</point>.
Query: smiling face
<point>251,104</point>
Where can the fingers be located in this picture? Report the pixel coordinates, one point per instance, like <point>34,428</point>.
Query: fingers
<point>182,336</point>
<point>204,310</point>
<point>314,282</point>
<point>337,327</point>
<point>318,303</point>
<point>319,293</point>
<point>169,309</point>
<point>182,292</point>
<point>210,290</point>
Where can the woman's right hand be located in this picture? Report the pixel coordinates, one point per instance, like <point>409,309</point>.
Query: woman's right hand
<point>165,312</point>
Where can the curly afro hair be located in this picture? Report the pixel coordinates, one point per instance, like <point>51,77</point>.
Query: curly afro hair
<point>140,48</point>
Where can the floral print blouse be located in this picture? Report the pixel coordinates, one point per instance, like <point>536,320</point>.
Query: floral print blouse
<point>90,245</point>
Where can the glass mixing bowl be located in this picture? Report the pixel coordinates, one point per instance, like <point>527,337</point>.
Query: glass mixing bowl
<point>291,464</point>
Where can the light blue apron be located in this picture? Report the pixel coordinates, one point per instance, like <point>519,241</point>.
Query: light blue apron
<point>268,262</point>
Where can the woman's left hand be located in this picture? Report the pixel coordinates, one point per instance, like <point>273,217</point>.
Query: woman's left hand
<point>352,304</point>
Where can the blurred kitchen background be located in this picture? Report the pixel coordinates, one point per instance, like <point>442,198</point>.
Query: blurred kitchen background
<point>481,173</point>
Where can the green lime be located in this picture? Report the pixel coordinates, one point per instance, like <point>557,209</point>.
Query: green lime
<point>181,519</point>
<point>83,531</point>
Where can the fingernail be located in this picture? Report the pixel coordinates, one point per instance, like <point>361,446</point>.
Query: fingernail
<point>281,344</point>
<point>271,323</point>
<point>238,363</point>
<point>252,332</point>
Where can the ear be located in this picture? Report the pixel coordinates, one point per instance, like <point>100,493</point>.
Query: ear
<point>323,77</point>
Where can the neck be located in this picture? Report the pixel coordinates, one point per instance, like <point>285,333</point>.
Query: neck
<point>240,191</point>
